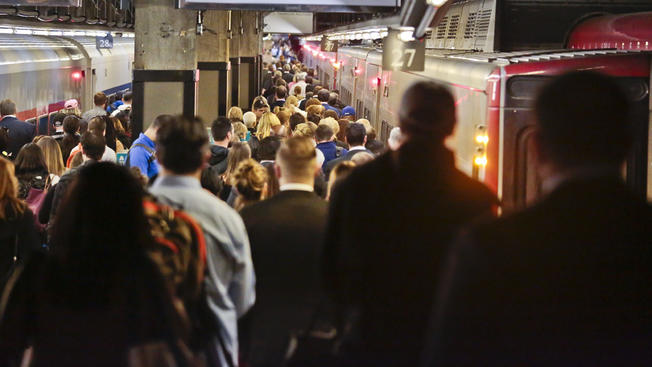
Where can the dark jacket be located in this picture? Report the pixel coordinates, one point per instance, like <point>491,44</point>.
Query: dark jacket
<point>279,103</point>
<point>565,282</point>
<point>20,133</point>
<point>20,227</point>
<point>218,158</point>
<point>286,233</point>
<point>75,322</point>
<point>389,225</point>
<point>288,77</point>
<point>347,157</point>
<point>29,180</point>
<point>330,151</point>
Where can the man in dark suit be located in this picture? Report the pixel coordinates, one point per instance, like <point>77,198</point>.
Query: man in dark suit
<point>389,224</point>
<point>286,233</point>
<point>281,93</point>
<point>20,132</point>
<point>567,281</point>
<point>356,138</point>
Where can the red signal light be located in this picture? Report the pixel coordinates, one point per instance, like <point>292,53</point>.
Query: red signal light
<point>375,82</point>
<point>77,75</point>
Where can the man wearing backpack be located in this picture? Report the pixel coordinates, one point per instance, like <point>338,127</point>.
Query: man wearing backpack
<point>142,154</point>
<point>182,150</point>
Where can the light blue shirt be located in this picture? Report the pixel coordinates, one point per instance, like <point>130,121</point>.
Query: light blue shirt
<point>230,282</point>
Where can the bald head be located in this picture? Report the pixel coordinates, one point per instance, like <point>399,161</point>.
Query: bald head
<point>427,109</point>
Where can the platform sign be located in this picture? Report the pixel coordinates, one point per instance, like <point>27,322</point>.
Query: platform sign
<point>402,55</point>
<point>105,42</point>
<point>328,45</point>
<point>121,158</point>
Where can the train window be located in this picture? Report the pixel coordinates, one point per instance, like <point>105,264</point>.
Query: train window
<point>528,188</point>
<point>636,89</point>
<point>358,107</point>
<point>525,87</point>
<point>366,113</point>
<point>385,130</point>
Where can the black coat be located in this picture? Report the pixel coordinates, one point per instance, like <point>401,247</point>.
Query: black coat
<point>565,282</point>
<point>17,227</point>
<point>347,157</point>
<point>20,133</point>
<point>286,233</point>
<point>218,159</point>
<point>389,224</point>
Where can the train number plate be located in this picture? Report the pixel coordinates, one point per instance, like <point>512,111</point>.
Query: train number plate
<point>104,42</point>
<point>328,45</point>
<point>403,55</point>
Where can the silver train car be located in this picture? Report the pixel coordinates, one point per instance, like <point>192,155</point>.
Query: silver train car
<point>40,73</point>
<point>494,94</point>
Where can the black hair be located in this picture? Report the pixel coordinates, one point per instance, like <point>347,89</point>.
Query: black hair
<point>355,134</point>
<point>181,144</point>
<point>110,134</point>
<point>312,117</point>
<point>296,119</point>
<point>268,148</point>
<point>220,128</point>
<point>92,255</point>
<point>211,181</point>
<point>128,96</point>
<point>160,119</point>
<point>58,118</point>
<point>323,95</point>
<point>323,132</point>
<point>583,119</point>
<point>93,145</point>
<point>427,111</point>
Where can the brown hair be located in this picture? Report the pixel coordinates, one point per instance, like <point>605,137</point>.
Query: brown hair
<point>9,202</point>
<point>239,152</point>
<point>339,173</point>
<point>297,157</point>
<point>312,102</point>
<point>99,99</point>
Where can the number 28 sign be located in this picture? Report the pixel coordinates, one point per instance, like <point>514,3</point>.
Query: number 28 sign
<point>402,55</point>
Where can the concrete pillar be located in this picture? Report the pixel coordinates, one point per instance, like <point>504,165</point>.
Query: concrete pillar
<point>237,22</point>
<point>165,61</point>
<point>249,37</point>
<point>214,86</point>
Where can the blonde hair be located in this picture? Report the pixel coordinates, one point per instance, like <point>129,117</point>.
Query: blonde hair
<point>366,124</point>
<point>304,130</point>
<point>315,109</point>
<point>9,202</point>
<point>267,121</point>
<point>332,123</point>
<point>235,114</point>
<point>249,179</point>
<point>52,153</point>
<point>284,117</point>
<point>292,103</point>
<point>297,158</point>
<point>240,130</point>
<point>339,173</point>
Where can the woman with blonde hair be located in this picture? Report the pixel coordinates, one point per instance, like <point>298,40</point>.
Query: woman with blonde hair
<point>53,158</point>
<point>235,114</point>
<point>268,125</point>
<point>250,182</point>
<point>17,232</point>
<point>292,104</point>
<point>339,173</point>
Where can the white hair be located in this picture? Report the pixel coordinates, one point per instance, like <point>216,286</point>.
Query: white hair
<point>395,138</point>
<point>249,119</point>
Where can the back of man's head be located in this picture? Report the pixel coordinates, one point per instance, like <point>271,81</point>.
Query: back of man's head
<point>356,134</point>
<point>71,124</point>
<point>127,97</point>
<point>7,107</point>
<point>281,92</point>
<point>220,128</point>
<point>160,120</point>
<point>93,145</point>
<point>268,148</point>
<point>97,125</point>
<point>427,110</point>
<point>249,119</point>
<point>583,120</point>
<point>100,99</point>
<point>295,120</point>
<point>181,145</point>
<point>323,95</point>
<point>323,133</point>
<point>297,159</point>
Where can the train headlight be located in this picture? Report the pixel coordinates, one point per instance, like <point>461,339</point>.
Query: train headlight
<point>480,161</point>
<point>77,75</point>
<point>482,139</point>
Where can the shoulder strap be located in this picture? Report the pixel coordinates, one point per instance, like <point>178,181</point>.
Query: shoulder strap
<point>148,149</point>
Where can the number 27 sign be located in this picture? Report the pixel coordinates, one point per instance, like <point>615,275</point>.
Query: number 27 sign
<point>402,55</point>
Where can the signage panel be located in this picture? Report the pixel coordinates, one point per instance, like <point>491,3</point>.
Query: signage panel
<point>328,45</point>
<point>402,55</point>
<point>105,42</point>
<point>292,5</point>
<point>76,3</point>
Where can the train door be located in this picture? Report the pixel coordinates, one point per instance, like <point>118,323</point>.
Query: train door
<point>372,94</point>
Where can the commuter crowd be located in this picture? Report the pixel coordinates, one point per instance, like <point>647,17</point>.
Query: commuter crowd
<point>296,237</point>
